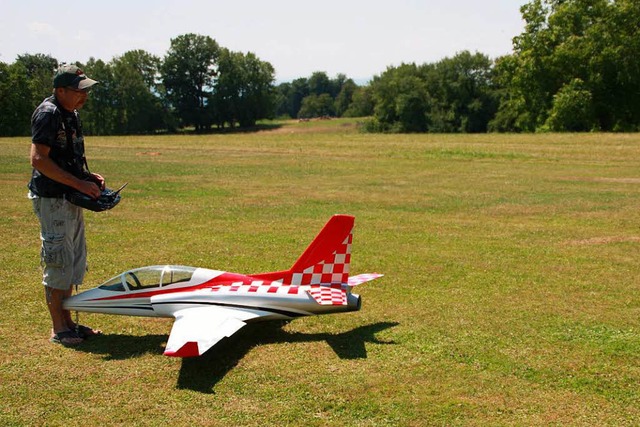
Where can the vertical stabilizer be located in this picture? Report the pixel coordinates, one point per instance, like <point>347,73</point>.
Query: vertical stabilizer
<point>325,261</point>
<point>328,257</point>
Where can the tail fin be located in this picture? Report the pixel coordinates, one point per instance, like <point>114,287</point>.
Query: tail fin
<point>325,261</point>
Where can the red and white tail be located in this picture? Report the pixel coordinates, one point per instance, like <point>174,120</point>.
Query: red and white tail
<point>328,257</point>
<point>325,263</point>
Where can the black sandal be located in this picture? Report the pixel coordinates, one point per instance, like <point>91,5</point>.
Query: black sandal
<point>65,338</point>
<point>86,332</point>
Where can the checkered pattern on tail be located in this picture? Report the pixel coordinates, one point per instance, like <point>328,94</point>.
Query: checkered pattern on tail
<point>329,295</point>
<point>323,269</point>
<point>332,270</point>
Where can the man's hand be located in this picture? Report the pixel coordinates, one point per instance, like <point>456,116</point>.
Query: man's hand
<point>89,188</point>
<point>98,179</point>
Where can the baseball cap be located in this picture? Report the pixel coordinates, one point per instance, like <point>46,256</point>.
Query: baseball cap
<point>72,76</point>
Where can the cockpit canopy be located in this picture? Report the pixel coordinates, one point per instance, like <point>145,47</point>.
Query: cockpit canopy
<point>149,277</point>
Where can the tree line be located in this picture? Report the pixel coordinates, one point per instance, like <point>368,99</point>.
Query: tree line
<point>575,67</point>
<point>197,85</point>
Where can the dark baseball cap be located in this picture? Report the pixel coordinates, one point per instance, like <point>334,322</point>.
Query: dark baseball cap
<point>72,76</point>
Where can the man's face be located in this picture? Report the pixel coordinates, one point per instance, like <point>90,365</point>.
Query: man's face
<point>70,98</point>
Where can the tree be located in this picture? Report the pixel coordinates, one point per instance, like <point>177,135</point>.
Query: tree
<point>411,109</point>
<point>40,71</point>
<point>290,96</point>
<point>337,84</point>
<point>188,72</point>
<point>453,95</point>
<point>461,92</point>
<point>100,115</point>
<point>512,114</point>
<point>299,90</point>
<point>135,76</point>
<point>572,109</point>
<point>344,98</point>
<point>596,42</point>
<point>316,106</point>
<point>319,83</point>
<point>16,106</point>
<point>400,94</point>
<point>614,73</point>
<point>244,90</point>
<point>361,103</point>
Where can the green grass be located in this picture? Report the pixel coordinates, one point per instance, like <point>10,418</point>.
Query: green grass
<point>511,293</point>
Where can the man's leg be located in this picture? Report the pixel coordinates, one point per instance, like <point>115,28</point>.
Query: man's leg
<point>76,234</point>
<point>54,298</point>
<point>84,331</point>
<point>66,314</point>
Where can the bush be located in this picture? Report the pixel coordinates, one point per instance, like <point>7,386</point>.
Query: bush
<point>572,109</point>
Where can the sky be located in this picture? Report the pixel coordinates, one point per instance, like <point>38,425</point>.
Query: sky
<point>358,38</point>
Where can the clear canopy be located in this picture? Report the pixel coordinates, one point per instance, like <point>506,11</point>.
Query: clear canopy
<point>149,277</point>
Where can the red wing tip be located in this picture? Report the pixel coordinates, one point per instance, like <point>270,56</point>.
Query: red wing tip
<point>190,349</point>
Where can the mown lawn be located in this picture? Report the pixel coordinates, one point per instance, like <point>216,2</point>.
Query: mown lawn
<point>511,293</point>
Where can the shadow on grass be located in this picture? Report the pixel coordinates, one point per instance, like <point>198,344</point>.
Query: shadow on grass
<point>120,347</point>
<point>203,373</point>
<point>227,130</point>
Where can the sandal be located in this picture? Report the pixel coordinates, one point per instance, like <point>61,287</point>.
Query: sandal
<point>66,338</point>
<point>86,332</point>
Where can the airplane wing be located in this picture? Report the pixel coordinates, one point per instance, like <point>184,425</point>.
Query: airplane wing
<point>198,329</point>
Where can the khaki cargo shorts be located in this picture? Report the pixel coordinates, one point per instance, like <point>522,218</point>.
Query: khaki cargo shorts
<point>64,248</point>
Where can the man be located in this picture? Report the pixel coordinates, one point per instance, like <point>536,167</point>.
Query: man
<point>59,166</point>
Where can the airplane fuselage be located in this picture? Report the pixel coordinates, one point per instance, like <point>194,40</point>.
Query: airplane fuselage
<point>206,288</point>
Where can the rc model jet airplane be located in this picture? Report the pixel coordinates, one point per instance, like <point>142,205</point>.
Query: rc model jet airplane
<point>209,305</point>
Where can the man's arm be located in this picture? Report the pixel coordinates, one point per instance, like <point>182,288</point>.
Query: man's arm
<point>41,161</point>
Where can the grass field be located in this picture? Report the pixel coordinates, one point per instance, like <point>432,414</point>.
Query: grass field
<point>511,293</point>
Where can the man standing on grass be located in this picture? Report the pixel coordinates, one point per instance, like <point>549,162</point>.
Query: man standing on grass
<point>59,166</point>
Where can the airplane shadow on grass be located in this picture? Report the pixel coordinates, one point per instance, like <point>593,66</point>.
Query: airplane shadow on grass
<point>203,373</point>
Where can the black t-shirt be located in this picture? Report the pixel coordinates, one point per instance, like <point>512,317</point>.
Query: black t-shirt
<point>61,131</point>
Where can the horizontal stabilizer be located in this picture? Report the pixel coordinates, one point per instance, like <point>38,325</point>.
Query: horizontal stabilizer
<point>363,278</point>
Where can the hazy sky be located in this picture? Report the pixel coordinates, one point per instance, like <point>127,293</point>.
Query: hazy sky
<point>359,38</point>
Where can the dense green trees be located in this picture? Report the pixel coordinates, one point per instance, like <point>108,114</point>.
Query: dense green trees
<point>575,67</point>
<point>319,96</point>
<point>15,95</point>
<point>127,99</point>
<point>244,91</point>
<point>39,69</point>
<point>198,84</point>
<point>452,95</point>
<point>23,85</point>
